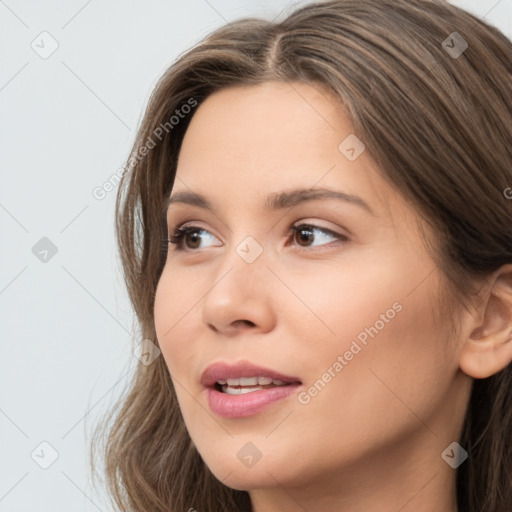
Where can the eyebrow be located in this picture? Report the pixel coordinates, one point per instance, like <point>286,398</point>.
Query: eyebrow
<point>275,201</point>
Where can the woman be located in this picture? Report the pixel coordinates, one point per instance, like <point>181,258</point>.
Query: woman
<point>314,225</point>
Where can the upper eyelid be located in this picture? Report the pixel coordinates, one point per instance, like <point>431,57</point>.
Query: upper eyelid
<point>314,224</point>
<point>187,208</point>
<point>183,210</point>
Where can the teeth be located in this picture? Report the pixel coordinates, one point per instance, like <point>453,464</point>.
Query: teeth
<point>242,385</point>
<point>251,381</point>
<point>239,391</point>
<point>243,381</point>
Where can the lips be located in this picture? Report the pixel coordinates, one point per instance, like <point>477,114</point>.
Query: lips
<point>232,393</point>
<point>222,371</point>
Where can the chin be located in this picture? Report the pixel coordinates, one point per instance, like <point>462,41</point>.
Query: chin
<point>244,479</point>
<point>269,471</point>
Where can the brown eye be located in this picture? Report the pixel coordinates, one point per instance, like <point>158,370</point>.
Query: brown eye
<point>303,234</point>
<point>192,234</point>
<point>194,238</point>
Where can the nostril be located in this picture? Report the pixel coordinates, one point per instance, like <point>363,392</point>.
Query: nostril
<point>246,322</point>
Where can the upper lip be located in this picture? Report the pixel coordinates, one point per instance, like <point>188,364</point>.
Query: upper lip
<point>223,371</point>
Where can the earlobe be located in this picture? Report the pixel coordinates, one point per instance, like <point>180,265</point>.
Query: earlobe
<point>487,348</point>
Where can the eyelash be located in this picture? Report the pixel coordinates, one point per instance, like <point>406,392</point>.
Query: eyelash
<point>179,234</point>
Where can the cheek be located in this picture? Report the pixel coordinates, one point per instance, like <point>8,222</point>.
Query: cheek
<point>176,330</point>
<point>394,366</point>
<point>394,355</point>
<point>173,311</point>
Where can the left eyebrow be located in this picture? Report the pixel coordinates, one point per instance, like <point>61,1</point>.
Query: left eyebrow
<point>277,200</point>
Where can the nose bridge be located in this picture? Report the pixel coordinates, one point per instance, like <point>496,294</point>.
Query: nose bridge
<point>244,265</point>
<point>250,250</point>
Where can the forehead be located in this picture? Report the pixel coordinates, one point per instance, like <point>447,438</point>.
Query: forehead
<point>271,122</point>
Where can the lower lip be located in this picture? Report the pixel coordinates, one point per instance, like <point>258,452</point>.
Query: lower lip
<point>247,404</point>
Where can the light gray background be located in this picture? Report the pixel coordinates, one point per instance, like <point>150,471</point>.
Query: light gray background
<point>67,125</point>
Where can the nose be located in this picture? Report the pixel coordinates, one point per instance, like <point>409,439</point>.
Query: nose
<point>240,297</point>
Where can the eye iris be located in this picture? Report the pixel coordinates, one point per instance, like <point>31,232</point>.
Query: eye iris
<point>305,235</point>
<point>196,236</point>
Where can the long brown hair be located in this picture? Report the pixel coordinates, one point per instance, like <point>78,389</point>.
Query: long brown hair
<point>435,115</point>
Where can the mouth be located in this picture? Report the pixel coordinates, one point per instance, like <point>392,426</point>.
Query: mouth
<point>244,389</point>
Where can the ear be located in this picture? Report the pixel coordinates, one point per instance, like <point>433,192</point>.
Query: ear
<point>487,346</point>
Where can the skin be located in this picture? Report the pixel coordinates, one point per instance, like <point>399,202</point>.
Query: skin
<point>371,440</point>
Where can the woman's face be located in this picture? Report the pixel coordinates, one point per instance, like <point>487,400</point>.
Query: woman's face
<point>346,306</point>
